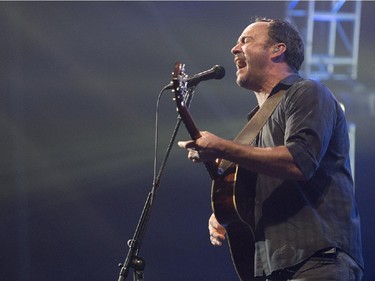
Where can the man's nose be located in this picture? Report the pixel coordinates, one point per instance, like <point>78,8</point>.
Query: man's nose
<point>236,49</point>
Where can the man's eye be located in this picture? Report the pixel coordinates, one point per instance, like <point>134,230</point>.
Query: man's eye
<point>245,40</point>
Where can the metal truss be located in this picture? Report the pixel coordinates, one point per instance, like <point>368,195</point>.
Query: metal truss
<point>331,33</point>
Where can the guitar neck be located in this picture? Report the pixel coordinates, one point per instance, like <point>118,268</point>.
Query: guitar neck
<point>211,168</point>
<point>195,134</point>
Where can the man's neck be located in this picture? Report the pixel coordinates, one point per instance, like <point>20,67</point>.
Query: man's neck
<point>268,86</point>
<point>261,97</point>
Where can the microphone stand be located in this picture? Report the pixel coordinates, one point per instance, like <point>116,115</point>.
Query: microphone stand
<point>132,259</point>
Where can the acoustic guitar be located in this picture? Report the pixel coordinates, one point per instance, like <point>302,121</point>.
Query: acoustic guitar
<point>232,192</point>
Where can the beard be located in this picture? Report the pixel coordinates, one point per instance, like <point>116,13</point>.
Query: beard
<point>250,80</point>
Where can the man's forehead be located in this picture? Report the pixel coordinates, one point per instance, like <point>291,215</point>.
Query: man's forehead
<point>256,28</point>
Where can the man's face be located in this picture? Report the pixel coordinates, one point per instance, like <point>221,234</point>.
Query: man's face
<point>252,56</point>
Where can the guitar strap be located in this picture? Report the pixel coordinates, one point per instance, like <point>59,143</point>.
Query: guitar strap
<point>248,134</point>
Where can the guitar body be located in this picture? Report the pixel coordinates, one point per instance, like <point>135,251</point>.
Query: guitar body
<point>232,193</point>
<point>232,198</point>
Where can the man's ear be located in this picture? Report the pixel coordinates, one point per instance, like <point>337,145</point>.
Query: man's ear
<point>279,48</point>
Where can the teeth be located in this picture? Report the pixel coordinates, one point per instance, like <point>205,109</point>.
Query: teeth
<point>240,64</point>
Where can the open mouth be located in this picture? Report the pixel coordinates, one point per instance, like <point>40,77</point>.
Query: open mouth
<point>239,63</point>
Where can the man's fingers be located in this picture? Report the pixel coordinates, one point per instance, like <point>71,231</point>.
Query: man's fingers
<point>217,231</point>
<point>186,144</point>
<point>217,239</point>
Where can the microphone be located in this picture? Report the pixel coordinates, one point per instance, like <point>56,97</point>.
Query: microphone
<point>216,72</point>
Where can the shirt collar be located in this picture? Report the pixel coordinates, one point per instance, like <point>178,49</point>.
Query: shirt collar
<point>286,83</point>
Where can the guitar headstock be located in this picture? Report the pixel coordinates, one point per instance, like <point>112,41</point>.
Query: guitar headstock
<point>179,81</point>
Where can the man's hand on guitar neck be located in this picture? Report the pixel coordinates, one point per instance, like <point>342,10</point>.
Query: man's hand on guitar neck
<point>206,148</point>
<point>217,231</point>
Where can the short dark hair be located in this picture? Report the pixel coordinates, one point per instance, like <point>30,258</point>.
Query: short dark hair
<point>281,31</point>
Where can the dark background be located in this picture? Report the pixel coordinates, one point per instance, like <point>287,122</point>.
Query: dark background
<point>78,90</point>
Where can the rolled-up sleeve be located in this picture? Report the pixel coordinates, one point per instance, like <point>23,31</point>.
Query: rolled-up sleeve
<point>310,118</point>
